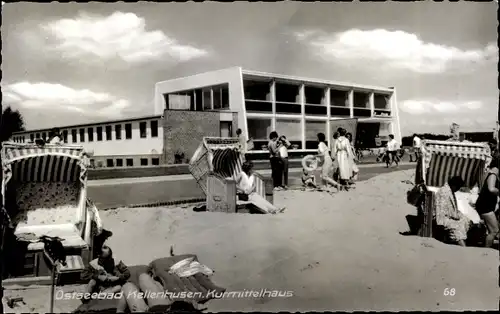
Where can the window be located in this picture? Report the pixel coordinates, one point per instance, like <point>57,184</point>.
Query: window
<point>99,133</point>
<point>225,97</point>
<point>109,163</point>
<point>217,98</point>
<point>292,129</point>
<point>108,133</point>
<point>142,129</point>
<point>118,131</point>
<point>144,161</point>
<point>38,135</point>
<point>207,99</point>
<point>154,128</point>
<point>129,162</point>
<point>119,162</point>
<point>259,129</point>
<point>44,136</point>
<point>128,131</point>
<point>82,135</point>
<point>73,136</point>
<point>180,101</point>
<point>90,132</point>
<point>65,136</point>
<point>312,130</point>
<point>155,161</point>
<point>32,137</point>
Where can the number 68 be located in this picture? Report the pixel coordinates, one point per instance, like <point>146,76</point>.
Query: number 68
<point>448,291</point>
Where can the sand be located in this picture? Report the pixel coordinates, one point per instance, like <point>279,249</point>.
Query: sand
<point>340,252</point>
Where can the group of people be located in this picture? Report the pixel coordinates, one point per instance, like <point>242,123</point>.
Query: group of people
<point>455,224</point>
<point>339,167</point>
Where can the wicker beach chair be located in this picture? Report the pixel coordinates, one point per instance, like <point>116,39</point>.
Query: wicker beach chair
<point>441,160</point>
<point>215,165</point>
<point>44,190</point>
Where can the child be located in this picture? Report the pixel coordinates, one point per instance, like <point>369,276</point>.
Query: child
<point>283,145</point>
<point>308,179</point>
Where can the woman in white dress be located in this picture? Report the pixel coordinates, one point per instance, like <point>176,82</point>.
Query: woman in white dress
<point>327,168</point>
<point>355,169</point>
<point>344,157</point>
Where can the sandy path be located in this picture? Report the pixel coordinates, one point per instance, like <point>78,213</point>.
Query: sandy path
<point>341,252</point>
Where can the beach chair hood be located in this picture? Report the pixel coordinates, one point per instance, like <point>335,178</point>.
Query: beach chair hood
<point>443,159</point>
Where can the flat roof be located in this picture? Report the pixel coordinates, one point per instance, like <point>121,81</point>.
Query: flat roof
<point>90,124</point>
<point>343,85</point>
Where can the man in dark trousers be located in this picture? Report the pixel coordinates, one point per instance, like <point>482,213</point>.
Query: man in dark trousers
<point>274,157</point>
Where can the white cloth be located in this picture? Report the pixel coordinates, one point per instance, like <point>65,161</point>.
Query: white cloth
<point>464,201</point>
<point>245,182</point>
<point>55,140</point>
<point>283,151</point>
<point>417,142</point>
<point>188,267</point>
<point>392,145</point>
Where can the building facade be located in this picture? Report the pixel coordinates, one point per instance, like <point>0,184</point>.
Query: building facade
<point>121,143</point>
<point>297,107</point>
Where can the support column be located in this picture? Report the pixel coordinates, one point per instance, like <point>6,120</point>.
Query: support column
<point>273,101</point>
<point>350,99</point>
<point>303,112</point>
<point>326,100</point>
<point>212,98</point>
<point>371,102</point>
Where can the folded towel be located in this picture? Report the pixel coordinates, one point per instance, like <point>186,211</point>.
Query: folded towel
<point>188,267</point>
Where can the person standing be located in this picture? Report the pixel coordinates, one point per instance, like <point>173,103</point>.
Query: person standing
<point>487,201</point>
<point>417,143</point>
<point>392,152</point>
<point>344,154</point>
<point>283,150</point>
<point>354,159</point>
<point>325,155</point>
<point>274,157</point>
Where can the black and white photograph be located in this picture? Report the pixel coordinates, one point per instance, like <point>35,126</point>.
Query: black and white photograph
<point>249,157</point>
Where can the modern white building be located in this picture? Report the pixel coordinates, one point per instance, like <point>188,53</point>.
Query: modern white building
<point>297,107</point>
<point>120,143</point>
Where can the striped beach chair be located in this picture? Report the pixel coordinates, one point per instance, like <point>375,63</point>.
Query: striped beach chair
<point>215,165</point>
<point>44,177</point>
<point>441,160</point>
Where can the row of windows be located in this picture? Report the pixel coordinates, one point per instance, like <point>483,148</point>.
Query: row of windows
<point>129,162</point>
<point>100,134</point>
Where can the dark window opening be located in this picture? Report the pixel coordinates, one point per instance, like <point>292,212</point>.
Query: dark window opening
<point>99,133</point>
<point>129,162</point>
<point>65,136</point>
<point>38,135</point>
<point>128,131</point>
<point>119,162</point>
<point>118,131</point>
<point>144,161</point>
<point>258,106</point>
<point>109,133</point>
<point>287,93</point>
<point>142,129</point>
<point>314,95</point>
<point>90,132</point>
<point>339,98</point>
<point>44,136</point>
<point>362,113</point>
<point>340,112</point>
<point>109,163</point>
<point>82,135</point>
<point>155,161</point>
<point>381,101</point>
<point>257,90</point>
<point>287,108</point>
<point>32,137</point>
<point>361,100</point>
<point>74,138</point>
<point>315,110</point>
<point>154,128</point>
<point>225,97</point>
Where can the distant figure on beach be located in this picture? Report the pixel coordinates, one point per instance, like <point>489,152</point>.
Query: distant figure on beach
<point>245,189</point>
<point>283,145</point>
<point>54,136</point>
<point>274,157</point>
<point>392,152</point>
<point>487,201</point>
<point>344,156</point>
<point>448,216</point>
<point>417,143</point>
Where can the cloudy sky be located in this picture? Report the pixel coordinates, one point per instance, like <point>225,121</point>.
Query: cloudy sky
<point>74,63</point>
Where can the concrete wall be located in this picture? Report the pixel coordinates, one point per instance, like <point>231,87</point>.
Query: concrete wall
<point>184,131</point>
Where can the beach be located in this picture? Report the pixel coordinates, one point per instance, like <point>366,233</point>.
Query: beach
<point>340,252</point>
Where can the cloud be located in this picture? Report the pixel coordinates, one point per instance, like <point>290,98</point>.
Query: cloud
<point>47,96</point>
<point>396,49</point>
<point>428,106</point>
<point>120,35</point>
